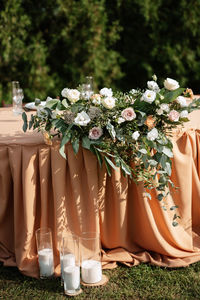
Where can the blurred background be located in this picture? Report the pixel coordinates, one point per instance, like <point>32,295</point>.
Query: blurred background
<point>50,44</point>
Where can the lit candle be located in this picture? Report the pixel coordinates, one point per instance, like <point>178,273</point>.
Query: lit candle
<point>71,278</point>
<point>45,257</point>
<point>91,271</point>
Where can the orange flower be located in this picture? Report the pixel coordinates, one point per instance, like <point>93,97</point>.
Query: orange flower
<point>189,93</point>
<point>47,138</point>
<point>150,122</point>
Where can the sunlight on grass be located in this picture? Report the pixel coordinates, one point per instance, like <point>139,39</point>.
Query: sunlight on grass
<point>141,282</point>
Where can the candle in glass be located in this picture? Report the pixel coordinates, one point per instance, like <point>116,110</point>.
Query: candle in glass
<point>45,252</point>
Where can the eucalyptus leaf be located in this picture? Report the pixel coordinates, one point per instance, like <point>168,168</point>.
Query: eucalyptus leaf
<point>168,152</point>
<point>25,125</point>
<point>107,167</point>
<point>75,145</point>
<point>111,130</point>
<point>110,162</point>
<point>52,103</point>
<point>86,142</point>
<point>172,95</point>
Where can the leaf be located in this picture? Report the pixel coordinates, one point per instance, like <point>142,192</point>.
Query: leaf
<point>98,155</point>
<point>160,197</point>
<point>110,162</point>
<point>174,223</point>
<point>86,143</point>
<point>64,103</point>
<point>125,168</point>
<point>173,208</point>
<point>25,125</point>
<point>107,166</point>
<point>172,95</point>
<point>64,141</point>
<point>168,152</point>
<point>168,168</point>
<point>111,130</point>
<point>52,103</point>
<point>75,145</point>
<point>152,162</point>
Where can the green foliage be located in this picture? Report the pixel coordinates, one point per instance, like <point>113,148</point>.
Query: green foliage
<point>50,44</point>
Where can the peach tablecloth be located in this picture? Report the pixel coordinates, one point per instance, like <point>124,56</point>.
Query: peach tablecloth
<point>39,188</point>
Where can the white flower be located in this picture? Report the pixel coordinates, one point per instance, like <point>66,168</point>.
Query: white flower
<point>82,119</point>
<point>96,99</point>
<point>135,135</point>
<point>159,111</point>
<point>95,133</point>
<point>182,101</point>
<point>171,84</point>
<point>120,120</point>
<point>133,92</point>
<point>128,114</point>
<point>109,102</point>
<point>154,77</point>
<point>152,85</point>
<point>174,115</point>
<point>106,92</point>
<point>72,95</point>
<point>184,114</point>
<point>149,96</point>
<point>165,107</point>
<point>152,135</point>
<point>48,99</point>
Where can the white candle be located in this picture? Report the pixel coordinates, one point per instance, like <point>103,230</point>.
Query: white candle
<point>45,257</point>
<point>71,278</point>
<point>65,261</point>
<point>91,271</point>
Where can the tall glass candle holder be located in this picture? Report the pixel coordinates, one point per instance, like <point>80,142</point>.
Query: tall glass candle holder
<point>17,97</point>
<point>45,252</point>
<point>71,264</point>
<point>91,269</point>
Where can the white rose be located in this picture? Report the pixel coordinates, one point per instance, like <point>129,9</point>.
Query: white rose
<point>95,133</point>
<point>49,99</point>
<point>182,101</point>
<point>72,95</point>
<point>165,107</point>
<point>82,119</point>
<point>152,135</point>
<point>120,120</point>
<point>184,114</point>
<point>106,92</point>
<point>171,84</point>
<point>135,135</point>
<point>109,102</point>
<point>159,111</point>
<point>149,96</point>
<point>152,85</point>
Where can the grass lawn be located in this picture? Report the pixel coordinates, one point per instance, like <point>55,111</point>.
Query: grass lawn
<point>141,282</point>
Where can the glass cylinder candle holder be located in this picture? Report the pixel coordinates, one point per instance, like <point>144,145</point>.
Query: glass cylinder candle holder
<point>45,252</point>
<point>71,264</point>
<point>17,97</point>
<point>91,269</point>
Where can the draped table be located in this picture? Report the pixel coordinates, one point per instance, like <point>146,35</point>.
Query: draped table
<point>40,188</point>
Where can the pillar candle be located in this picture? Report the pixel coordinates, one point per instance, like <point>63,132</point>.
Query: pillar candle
<point>71,278</point>
<point>91,271</point>
<point>45,257</point>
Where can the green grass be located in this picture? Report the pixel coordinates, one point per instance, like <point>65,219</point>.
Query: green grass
<point>141,282</point>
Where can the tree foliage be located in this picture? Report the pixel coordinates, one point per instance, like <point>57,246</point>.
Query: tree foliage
<point>50,44</point>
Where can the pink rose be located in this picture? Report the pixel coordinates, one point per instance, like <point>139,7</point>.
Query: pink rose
<point>174,115</point>
<point>128,114</point>
<point>95,133</point>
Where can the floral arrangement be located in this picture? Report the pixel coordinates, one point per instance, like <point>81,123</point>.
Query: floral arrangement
<point>130,131</point>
